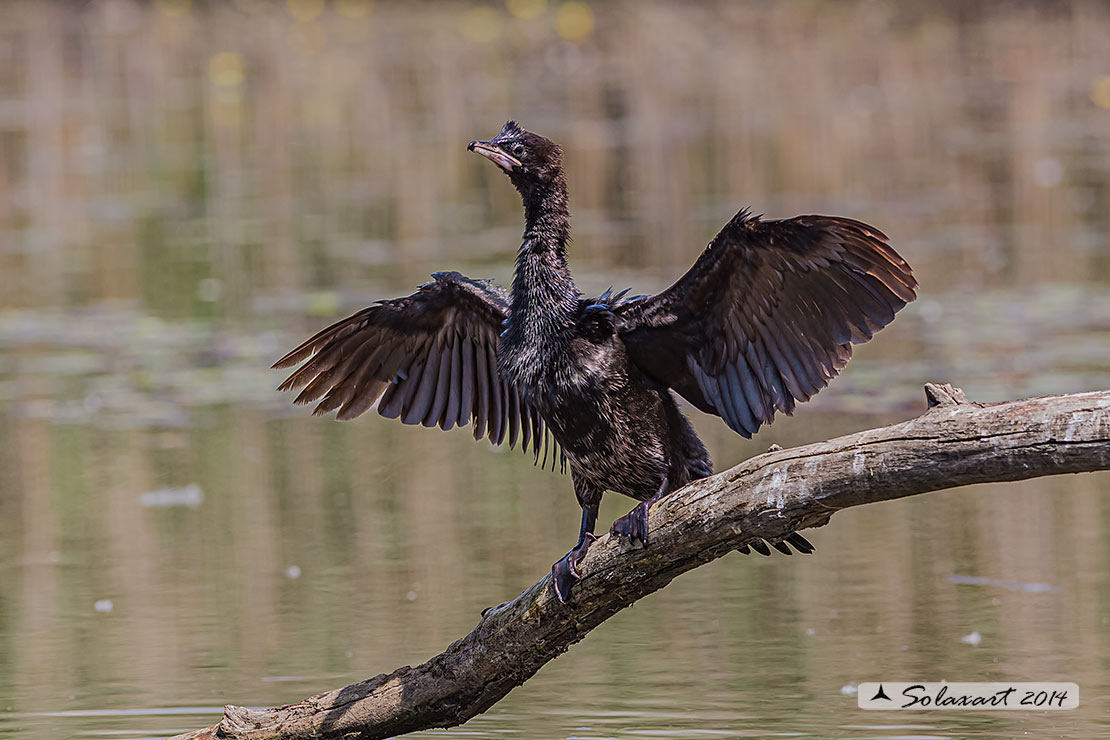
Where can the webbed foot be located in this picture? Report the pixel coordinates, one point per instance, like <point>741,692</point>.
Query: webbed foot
<point>633,525</point>
<point>565,572</point>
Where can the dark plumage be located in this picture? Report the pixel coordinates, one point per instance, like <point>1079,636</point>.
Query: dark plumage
<point>764,319</point>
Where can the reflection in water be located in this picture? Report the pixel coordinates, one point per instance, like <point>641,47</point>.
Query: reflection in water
<point>184,191</point>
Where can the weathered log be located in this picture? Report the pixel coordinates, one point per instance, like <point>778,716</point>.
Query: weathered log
<point>954,443</point>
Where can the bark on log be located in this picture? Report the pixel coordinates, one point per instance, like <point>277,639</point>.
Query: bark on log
<point>954,443</point>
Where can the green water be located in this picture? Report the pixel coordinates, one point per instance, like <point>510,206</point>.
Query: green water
<point>188,191</point>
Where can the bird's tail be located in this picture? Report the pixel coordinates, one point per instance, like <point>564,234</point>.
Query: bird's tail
<point>801,544</point>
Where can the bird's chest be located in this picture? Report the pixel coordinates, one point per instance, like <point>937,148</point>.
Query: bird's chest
<point>576,360</point>
<point>587,397</point>
<point>565,376</point>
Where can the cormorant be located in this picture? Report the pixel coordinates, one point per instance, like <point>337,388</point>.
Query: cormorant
<point>764,319</point>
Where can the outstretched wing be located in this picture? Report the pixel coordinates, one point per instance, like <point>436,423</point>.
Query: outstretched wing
<point>428,358</point>
<point>767,315</point>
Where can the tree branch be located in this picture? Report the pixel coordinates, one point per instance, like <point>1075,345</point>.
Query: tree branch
<point>954,443</point>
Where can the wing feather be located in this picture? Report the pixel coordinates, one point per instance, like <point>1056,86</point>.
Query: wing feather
<point>360,403</point>
<point>514,414</point>
<point>497,398</point>
<point>484,395</point>
<point>416,406</point>
<point>340,382</point>
<point>743,412</point>
<point>466,398</point>
<point>450,415</point>
<point>413,387</point>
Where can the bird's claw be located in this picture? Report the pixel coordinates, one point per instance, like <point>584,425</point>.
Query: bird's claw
<point>633,525</point>
<point>565,572</point>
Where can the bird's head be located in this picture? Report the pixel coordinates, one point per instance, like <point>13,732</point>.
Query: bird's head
<point>528,159</point>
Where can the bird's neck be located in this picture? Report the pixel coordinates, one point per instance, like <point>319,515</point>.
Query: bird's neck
<point>544,298</point>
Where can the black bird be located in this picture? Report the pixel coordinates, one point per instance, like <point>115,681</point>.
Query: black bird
<point>763,320</point>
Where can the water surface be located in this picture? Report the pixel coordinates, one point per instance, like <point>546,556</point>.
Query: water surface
<point>187,191</point>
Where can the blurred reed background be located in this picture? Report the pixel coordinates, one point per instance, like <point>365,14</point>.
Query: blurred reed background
<point>188,189</point>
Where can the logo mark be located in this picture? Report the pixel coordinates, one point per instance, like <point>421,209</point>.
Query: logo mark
<point>880,694</point>
<point>1020,695</point>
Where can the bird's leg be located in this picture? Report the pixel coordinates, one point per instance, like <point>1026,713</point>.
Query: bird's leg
<point>634,524</point>
<point>565,572</point>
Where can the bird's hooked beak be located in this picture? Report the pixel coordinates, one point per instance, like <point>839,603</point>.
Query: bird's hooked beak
<point>495,154</point>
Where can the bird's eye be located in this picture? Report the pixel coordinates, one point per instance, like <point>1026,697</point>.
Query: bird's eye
<point>518,150</point>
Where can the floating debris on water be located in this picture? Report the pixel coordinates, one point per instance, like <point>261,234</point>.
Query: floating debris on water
<point>293,572</point>
<point>51,558</point>
<point>973,639</point>
<point>190,496</point>
<point>103,606</point>
<point>1000,583</point>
